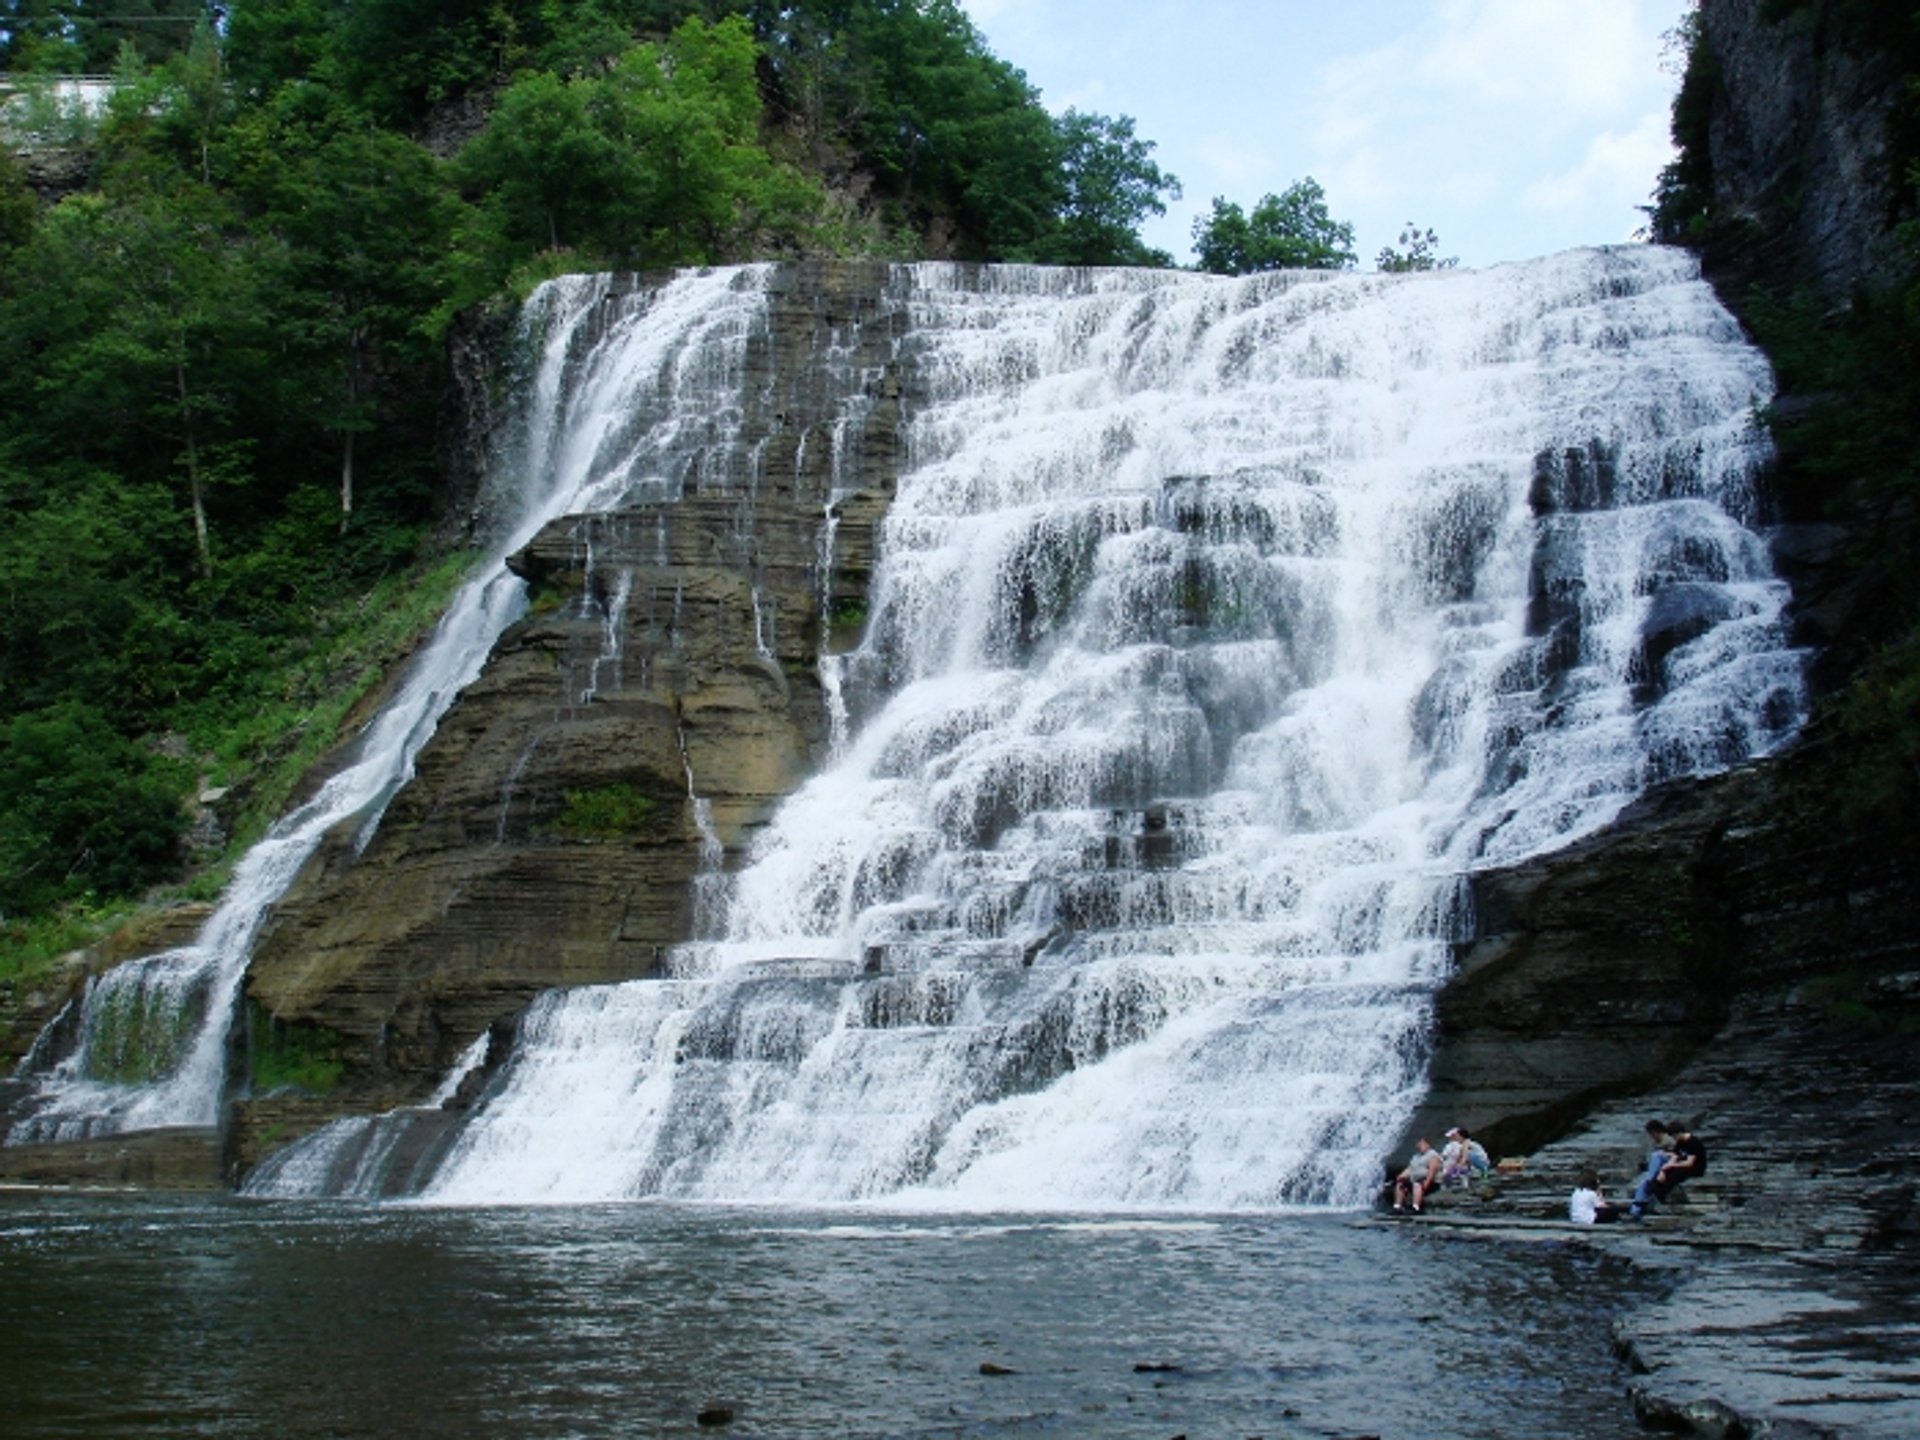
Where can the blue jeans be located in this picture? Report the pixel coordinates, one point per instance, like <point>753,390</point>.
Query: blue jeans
<point>1643,1191</point>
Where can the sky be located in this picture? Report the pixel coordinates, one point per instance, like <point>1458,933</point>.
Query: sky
<point>1512,128</point>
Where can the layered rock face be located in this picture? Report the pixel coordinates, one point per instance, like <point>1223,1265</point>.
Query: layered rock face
<point>1801,157</point>
<point>629,734</point>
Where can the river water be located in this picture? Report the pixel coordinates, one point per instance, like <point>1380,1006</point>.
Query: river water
<point>128,1316</point>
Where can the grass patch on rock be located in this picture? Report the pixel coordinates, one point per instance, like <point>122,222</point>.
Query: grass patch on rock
<point>292,1055</point>
<point>606,812</point>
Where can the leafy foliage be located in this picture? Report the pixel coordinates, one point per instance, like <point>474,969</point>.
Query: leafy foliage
<point>1418,250</point>
<point>292,1054</point>
<point>82,810</point>
<point>218,460</point>
<point>1290,231</point>
<point>81,37</point>
<point>611,812</point>
<point>1109,185</point>
<point>1683,195</point>
<point>655,163</point>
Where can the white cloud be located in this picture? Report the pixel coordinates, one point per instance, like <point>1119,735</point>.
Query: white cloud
<point>1360,177</point>
<point>1561,55</point>
<point>1617,167</point>
<point>1478,64</point>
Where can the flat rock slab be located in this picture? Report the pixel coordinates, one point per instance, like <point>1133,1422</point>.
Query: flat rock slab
<point>174,1159</point>
<point>1794,1346</point>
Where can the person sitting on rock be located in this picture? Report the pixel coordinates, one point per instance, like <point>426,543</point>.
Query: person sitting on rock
<point>1587,1206</point>
<point>1661,1141</point>
<point>1479,1163</point>
<point>1410,1187</point>
<point>1465,1159</point>
<point>1688,1160</point>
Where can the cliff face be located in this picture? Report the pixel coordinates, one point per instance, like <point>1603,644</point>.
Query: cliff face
<point>1800,151</point>
<point>628,734</point>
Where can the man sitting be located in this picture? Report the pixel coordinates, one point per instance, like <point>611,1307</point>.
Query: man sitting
<point>1688,1160</point>
<point>1420,1176</point>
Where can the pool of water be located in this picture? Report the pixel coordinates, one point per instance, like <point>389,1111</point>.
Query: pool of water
<point>127,1315</point>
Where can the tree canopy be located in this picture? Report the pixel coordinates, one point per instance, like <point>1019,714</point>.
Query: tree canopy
<point>1290,231</point>
<point>1418,250</point>
<point>227,342</point>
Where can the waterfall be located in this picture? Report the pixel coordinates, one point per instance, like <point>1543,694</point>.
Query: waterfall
<point>1220,629</point>
<point>620,405</point>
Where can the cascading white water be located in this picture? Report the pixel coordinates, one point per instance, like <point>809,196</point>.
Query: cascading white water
<point>621,409</point>
<point>1220,628</point>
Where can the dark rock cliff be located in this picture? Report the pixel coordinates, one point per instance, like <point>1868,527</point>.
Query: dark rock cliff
<point>1602,969</point>
<point>1799,146</point>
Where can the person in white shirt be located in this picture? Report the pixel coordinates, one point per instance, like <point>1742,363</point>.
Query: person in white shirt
<point>1587,1206</point>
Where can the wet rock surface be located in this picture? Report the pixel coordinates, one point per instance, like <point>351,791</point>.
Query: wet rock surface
<point>1780,1287</point>
<point>630,733</point>
<point>173,1159</point>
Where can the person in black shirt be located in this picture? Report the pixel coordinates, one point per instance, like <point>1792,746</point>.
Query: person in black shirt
<point>1689,1159</point>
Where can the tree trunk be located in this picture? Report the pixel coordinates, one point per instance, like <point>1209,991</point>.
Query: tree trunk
<point>193,475</point>
<point>346,482</point>
<point>346,449</point>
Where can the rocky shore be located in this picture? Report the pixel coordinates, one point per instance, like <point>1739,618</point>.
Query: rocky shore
<point>1781,1294</point>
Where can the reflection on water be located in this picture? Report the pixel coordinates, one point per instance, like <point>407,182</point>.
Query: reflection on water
<point>124,1316</point>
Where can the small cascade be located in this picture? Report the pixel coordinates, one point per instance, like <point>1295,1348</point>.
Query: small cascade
<point>613,618</point>
<point>619,409</point>
<point>832,663</point>
<point>370,1157</point>
<point>1219,630</point>
<point>763,617</point>
<point>709,882</point>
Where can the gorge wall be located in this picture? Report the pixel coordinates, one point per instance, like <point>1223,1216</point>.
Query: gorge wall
<point>1798,142</point>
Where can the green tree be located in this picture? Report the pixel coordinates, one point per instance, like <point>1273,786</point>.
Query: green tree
<point>657,163</point>
<point>364,219</point>
<point>82,810</point>
<point>1419,250</point>
<point>101,633</point>
<point>689,111</point>
<point>1110,184</point>
<point>396,59</point>
<point>83,36</point>
<point>955,138</point>
<point>275,42</point>
<point>548,171</point>
<point>1289,231</point>
<point>139,313</point>
<point>18,207</point>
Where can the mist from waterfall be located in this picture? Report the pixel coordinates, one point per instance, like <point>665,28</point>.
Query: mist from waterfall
<point>1220,629</point>
<point>619,406</point>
